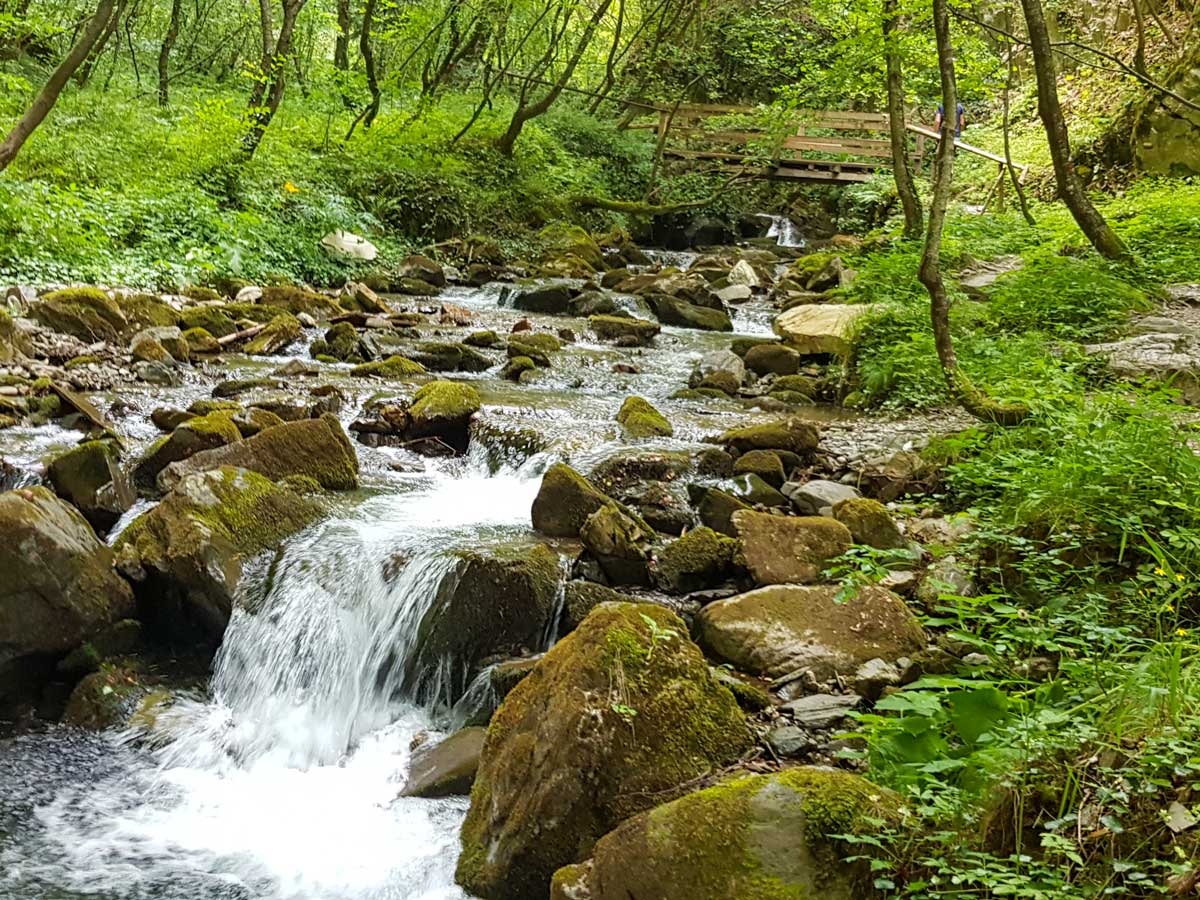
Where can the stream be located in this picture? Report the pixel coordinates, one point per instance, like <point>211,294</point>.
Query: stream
<point>282,779</point>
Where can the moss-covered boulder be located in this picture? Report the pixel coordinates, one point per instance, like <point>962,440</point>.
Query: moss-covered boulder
<point>616,715</point>
<point>318,448</point>
<point>571,242</point>
<point>146,311</point>
<point>89,478</point>
<point>549,299</point>
<point>772,631</point>
<point>86,313</point>
<point>640,419</point>
<point>772,359</point>
<point>624,329</point>
<point>206,432</point>
<point>517,367</point>
<point>766,464</point>
<point>444,356</point>
<point>793,435</point>
<point>340,342</point>
<point>674,311</point>
<point>443,410</point>
<point>58,587</point>
<point>716,509</point>
<point>869,523</point>
<point>447,768</point>
<point>392,367</point>
<point>201,342</point>
<point>489,605</point>
<point>253,419</point>
<point>296,300</point>
<point>564,502</point>
<point>581,597</point>
<point>104,699</point>
<point>761,837</point>
<point>786,549</point>
<point>621,542</point>
<point>212,319</point>
<point>698,560</point>
<point>185,555</point>
<point>282,330</point>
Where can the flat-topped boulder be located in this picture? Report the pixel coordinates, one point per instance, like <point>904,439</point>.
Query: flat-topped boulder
<point>822,328</point>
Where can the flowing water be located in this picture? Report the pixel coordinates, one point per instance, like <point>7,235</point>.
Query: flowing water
<point>282,779</point>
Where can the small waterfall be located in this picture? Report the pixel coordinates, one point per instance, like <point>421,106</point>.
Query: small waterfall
<point>785,231</point>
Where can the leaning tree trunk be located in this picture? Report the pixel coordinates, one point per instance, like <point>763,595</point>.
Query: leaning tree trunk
<point>164,54</point>
<point>48,96</point>
<point>1089,219</point>
<point>525,113</point>
<point>901,162</point>
<point>110,28</point>
<point>268,91</point>
<point>961,388</point>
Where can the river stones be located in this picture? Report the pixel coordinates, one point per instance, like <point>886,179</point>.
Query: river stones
<point>192,436</point>
<point>812,498</point>
<point>392,367</point>
<point>86,313</point>
<point>551,299</point>
<point>793,435</point>
<point>443,410</point>
<point>721,370</point>
<point>620,542</point>
<point>185,555</point>
<point>766,464</point>
<point>617,713</point>
<point>492,604</point>
<point>786,549</point>
<point>822,328</point>
<point>698,560</point>
<point>564,501</point>
<point>316,448</point>
<point>89,478</point>
<point>762,837</point>
<point>581,597</point>
<point>283,330</point>
<point>58,587</point>
<point>772,359</point>
<point>716,509</point>
<point>673,311</point>
<point>447,768</point>
<point>296,300</point>
<point>774,631</point>
<point>640,419</point>
<point>444,356</point>
<point>624,329</point>
<point>869,523</point>
<point>570,243</point>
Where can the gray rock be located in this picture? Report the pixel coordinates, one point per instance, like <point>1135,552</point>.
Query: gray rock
<point>447,768</point>
<point>157,373</point>
<point>813,498</point>
<point>720,363</point>
<point>946,576</point>
<point>873,676</point>
<point>1173,358</point>
<point>349,246</point>
<point>249,294</point>
<point>789,741</point>
<point>820,710</point>
<point>735,293</point>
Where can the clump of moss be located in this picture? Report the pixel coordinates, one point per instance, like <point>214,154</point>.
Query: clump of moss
<point>392,367</point>
<point>340,342</point>
<point>699,559</point>
<point>87,359</point>
<point>282,330</point>
<point>640,419</point>
<point>212,319</point>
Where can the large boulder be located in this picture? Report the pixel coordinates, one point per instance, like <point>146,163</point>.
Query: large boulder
<point>195,435</point>
<point>822,328</point>
<point>551,299</point>
<point>624,329</point>
<point>447,768</point>
<point>563,241</point>
<point>772,359</point>
<point>616,715</point>
<point>317,448</point>
<point>774,631</point>
<point>698,560</point>
<point>185,555</point>
<point>85,312</point>
<point>673,311</point>
<point>792,435</point>
<point>443,356</point>
<point>761,837</point>
<point>870,523</point>
<point>444,410</point>
<point>564,502</point>
<point>89,478</point>
<point>58,587</point>
<point>488,605</point>
<point>786,549</point>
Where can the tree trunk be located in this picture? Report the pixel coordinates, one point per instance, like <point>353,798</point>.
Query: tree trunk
<point>110,28</point>
<point>368,55</point>
<point>48,96</point>
<point>268,91</point>
<point>930,274</point>
<point>901,163</point>
<point>164,53</point>
<point>341,49</point>
<point>525,113</point>
<point>1089,219</point>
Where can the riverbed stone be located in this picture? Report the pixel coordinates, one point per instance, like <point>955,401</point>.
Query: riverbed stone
<point>298,301</point>
<point>774,631</point>
<point>819,329</point>
<point>615,328</point>
<point>185,555</point>
<point>564,501</point>
<point>788,550</point>
<point>640,419</point>
<point>581,597</point>
<point>491,604</point>
<point>283,330</point>
<point>89,478</point>
<point>760,837</point>
<point>716,509</point>
<point>447,768</point>
<point>620,542</point>
<point>766,464</point>
<point>550,299</point>
<point>673,311</point>
<point>772,359</point>
<point>870,523</point>
<point>392,367</point>
<point>813,497</point>
<point>58,589</point>
<point>446,356</point>
<point>820,710</point>
<point>617,714</point>
<point>699,559</point>
<point>195,435</point>
<point>793,435</point>
<point>86,313</point>
<point>317,448</point>
<point>212,319</point>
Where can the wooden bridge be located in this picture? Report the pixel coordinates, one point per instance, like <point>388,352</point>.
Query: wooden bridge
<point>827,146</point>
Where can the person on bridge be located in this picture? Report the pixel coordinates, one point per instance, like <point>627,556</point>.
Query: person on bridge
<point>959,126</point>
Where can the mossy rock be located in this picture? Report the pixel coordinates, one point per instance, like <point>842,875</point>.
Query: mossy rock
<point>58,589</point>
<point>185,555</point>
<point>572,242</point>
<point>143,311</point>
<point>105,698</point>
<point>772,359</point>
<point>89,477</point>
<point>766,464</point>
<point>298,300</point>
<point>392,367</point>
<point>202,294</point>
<point>540,341</point>
<point>641,420</point>
<point>626,470</point>
<point>206,405</point>
<point>484,339</point>
<point>318,448</point>
<point>147,348</point>
<point>564,501</point>
<point>252,420</point>
<point>86,313</point>
<point>443,356</point>
<point>516,367</point>
<point>340,342</point>
<point>798,384</point>
<point>700,559</point>
<point>86,359</point>
<point>443,409</point>
<point>621,542</point>
<point>701,393</point>
<point>13,345</point>
<point>200,341</point>
<point>581,597</point>
<point>616,328</point>
<point>788,549</point>
<point>492,604</point>
<point>775,630</point>
<point>204,432</point>
<point>870,523</point>
<point>623,711</point>
<point>281,331</point>
<point>716,509</point>
<point>674,311</point>
<point>212,319</point>
<point>793,435</point>
<point>761,837</point>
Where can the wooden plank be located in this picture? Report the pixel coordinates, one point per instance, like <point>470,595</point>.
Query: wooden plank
<point>961,145</point>
<point>820,175</point>
<point>827,163</point>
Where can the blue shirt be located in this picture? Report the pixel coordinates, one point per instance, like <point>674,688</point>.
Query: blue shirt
<point>957,122</point>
